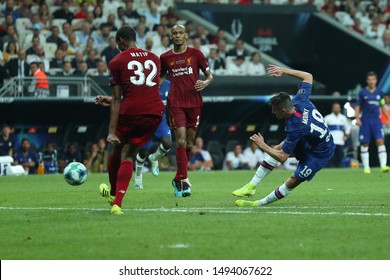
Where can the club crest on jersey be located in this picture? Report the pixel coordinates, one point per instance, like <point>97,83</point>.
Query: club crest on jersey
<point>189,61</point>
<point>171,63</point>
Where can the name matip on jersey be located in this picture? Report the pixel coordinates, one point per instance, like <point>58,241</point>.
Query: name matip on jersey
<point>183,71</point>
<point>137,72</point>
<point>370,103</point>
<point>307,125</point>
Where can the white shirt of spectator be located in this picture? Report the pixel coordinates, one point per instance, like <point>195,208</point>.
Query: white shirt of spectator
<point>255,69</point>
<point>206,155</point>
<point>234,70</point>
<point>338,126</point>
<point>236,161</point>
<point>254,158</point>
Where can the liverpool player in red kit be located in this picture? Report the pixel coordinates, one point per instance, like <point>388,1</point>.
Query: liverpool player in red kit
<point>184,100</point>
<point>136,111</point>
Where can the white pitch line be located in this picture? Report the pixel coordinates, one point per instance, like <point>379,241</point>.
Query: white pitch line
<point>208,210</point>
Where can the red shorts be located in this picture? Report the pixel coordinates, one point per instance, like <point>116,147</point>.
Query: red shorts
<point>137,129</point>
<point>184,117</point>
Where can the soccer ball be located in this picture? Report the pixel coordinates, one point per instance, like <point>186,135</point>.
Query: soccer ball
<point>75,173</point>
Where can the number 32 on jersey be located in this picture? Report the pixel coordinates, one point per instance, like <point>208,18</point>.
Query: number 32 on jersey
<point>139,68</point>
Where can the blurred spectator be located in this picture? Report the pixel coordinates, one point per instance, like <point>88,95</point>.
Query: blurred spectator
<point>386,39</point>
<point>35,43</point>
<point>92,61</point>
<point>215,62</point>
<point>64,12</point>
<point>90,45</point>
<point>18,67</point>
<point>82,70</point>
<point>112,4</point>
<point>10,10</point>
<point>152,16</point>
<point>111,51</point>
<point>65,48</point>
<point>196,43</point>
<point>3,26</point>
<point>71,154</point>
<point>111,22</point>
<point>101,70</point>
<point>55,36</point>
<point>189,28</point>
<point>66,30</point>
<point>73,45</point>
<point>103,36</point>
<point>208,163</point>
<point>66,70</point>
<point>255,67</point>
<point>26,157</point>
<point>196,160</point>
<point>237,68</point>
<point>97,12</point>
<point>39,85</point>
<point>141,35</point>
<point>235,159</point>
<point>163,47</point>
<point>39,56</point>
<point>10,51</point>
<point>82,13</point>
<point>85,33</point>
<point>201,34</point>
<point>238,49</point>
<point>254,155</point>
<point>7,141</point>
<point>120,14</point>
<point>130,12</point>
<point>11,36</point>
<point>49,158</point>
<point>24,10</point>
<point>221,48</point>
<point>58,60</point>
<point>78,59</point>
<point>215,39</point>
<point>329,8</point>
<point>97,157</point>
<point>149,44</point>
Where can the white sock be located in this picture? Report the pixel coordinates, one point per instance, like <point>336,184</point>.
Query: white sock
<point>159,153</point>
<point>264,169</point>
<point>365,157</point>
<point>139,165</point>
<point>277,194</point>
<point>382,155</point>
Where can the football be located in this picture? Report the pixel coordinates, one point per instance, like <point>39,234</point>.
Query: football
<point>75,173</point>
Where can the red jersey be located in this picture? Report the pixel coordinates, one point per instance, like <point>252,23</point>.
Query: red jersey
<point>183,71</point>
<point>137,72</point>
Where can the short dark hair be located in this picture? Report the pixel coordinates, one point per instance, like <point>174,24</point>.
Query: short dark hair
<point>126,32</point>
<point>372,73</point>
<point>282,100</point>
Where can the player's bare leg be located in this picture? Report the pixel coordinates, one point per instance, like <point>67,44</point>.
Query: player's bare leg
<point>162,150</point>
<point>181,160</point>
<point>275,195</point>
<point>266,167</point>
<point>382,154</point>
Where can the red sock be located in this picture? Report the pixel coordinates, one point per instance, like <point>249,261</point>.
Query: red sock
<point>189,153</point>
<point>182,162</point>
<point>124,176</point>
<point>113,167</point>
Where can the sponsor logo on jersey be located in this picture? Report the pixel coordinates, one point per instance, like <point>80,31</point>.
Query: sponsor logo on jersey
<point>301,91</point>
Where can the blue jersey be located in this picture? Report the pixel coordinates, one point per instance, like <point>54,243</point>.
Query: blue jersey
<point>306,129</point>
<point>164,91</point>
<point>370,103</point>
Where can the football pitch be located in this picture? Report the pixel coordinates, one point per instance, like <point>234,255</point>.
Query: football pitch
<point>340,214</point>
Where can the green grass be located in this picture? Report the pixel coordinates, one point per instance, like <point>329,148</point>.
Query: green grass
<point>341,214</point>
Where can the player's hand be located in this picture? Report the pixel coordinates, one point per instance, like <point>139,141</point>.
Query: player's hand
<point>358,122</point>
<point>113,139</point>
<point>102,100</point>
<point>258,139</point>
<point>200,85</point>
<point>274,70</point>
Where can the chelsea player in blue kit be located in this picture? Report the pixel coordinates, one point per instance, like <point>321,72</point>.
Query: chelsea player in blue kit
<point>308,139</point>
<point>370,102</point>
<point>163,135</point>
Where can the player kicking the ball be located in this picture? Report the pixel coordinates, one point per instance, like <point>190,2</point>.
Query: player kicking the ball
<point>308,139</point>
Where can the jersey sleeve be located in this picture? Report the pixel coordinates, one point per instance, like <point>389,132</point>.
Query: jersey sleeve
<point>360,99</point>
<point>292,141</point>
<point>304,91</point>
<point>114,74</point>
<point>202,61</point>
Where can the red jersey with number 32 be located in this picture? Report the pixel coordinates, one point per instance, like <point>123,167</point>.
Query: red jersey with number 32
<point>137,72</point>
<point>183,71</point>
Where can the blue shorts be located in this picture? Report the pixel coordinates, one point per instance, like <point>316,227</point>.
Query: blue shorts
<point>161,131</point>
<point>309,164</point>
<point>371,128</point>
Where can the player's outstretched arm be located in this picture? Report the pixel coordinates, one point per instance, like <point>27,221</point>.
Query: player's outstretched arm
<point>277,71</point>
<point>201,85</point>
<point>277,154</point>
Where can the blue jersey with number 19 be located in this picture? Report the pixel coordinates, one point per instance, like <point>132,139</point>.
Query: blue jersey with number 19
<point>306,129</point>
